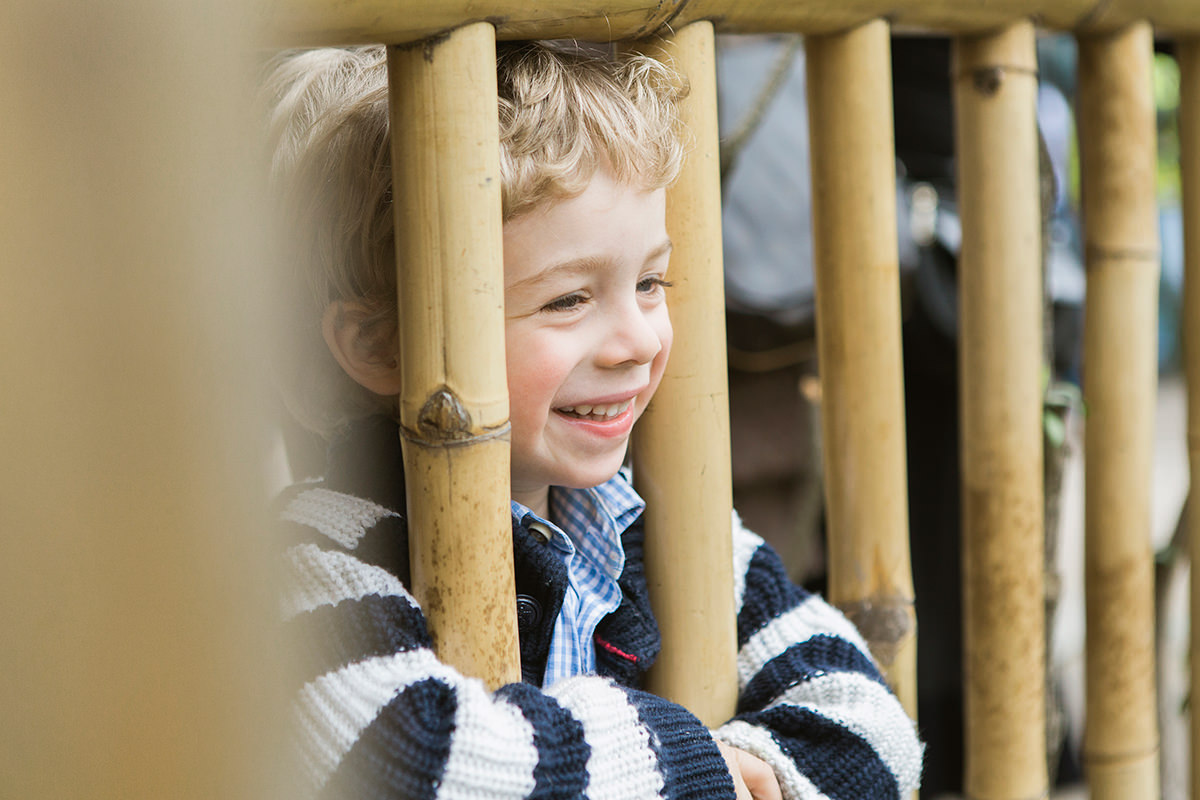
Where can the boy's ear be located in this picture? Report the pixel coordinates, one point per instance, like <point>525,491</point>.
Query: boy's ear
<point>371,363</point>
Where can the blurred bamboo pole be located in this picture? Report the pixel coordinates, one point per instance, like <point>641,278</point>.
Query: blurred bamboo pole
<point>454,402</point>
<point>1000,363</point>
<point>1189,139</point>
<point>1117,144</point>
<point>681,451</point>
<point>858,334</point>
<point>136,581</point>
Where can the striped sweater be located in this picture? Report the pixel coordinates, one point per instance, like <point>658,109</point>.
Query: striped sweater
<point>378,716</point>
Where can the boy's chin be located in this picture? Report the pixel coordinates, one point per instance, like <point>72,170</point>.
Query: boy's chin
<point>589,479</point>
<point>585,476</point>
<point>568,473</point>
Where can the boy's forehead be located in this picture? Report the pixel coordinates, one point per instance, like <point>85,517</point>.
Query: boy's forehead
<point>609,222</point>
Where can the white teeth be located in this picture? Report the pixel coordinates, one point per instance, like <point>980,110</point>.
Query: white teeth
<point>618,408</point>
<point>606,411</point>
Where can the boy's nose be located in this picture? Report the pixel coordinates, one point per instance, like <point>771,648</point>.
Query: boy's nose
<point>631,338</point>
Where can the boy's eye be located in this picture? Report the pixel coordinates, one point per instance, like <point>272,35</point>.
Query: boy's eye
<point>564,303</point>
<point>652,284</point>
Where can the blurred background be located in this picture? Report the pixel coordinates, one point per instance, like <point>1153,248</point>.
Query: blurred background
<point>772,361</point>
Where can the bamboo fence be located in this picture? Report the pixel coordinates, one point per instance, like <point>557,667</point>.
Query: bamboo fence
<point>1000,351</point>
<point>858,324</point>
<point>1117,144</point>
<point>454,408</point>
<point>299,22</point>
<point>681,454</point>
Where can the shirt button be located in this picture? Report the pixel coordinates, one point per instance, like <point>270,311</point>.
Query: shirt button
<point>529,611</point>
<point>542,531</point>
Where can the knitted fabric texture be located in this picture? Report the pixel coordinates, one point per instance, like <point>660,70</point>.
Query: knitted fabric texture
<point>378,716</point>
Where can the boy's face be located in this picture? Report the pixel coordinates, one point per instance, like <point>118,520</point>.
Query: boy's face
<point>587,333</point>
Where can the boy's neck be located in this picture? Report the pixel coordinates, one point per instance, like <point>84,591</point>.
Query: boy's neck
<point>537,500</point>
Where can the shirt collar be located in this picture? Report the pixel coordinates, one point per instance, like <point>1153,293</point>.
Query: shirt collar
<point>593,520</point>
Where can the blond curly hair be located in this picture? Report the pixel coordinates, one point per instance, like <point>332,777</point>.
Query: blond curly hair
<point>565,112</point>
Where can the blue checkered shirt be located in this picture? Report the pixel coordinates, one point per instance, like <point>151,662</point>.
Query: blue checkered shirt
<point>589,544</point>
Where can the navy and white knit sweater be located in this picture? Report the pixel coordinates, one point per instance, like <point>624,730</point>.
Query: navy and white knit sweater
<point>378,716</point>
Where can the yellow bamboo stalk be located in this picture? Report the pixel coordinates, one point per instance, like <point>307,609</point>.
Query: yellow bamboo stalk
<point>1189,138</point>
<point>1172,17</point>
<point>307,22</point>
<point>1000,361</point>
<point>454,403</point>
<point>310,22</point>
<point>1117,143</point>
<point>136,579</point>
<point>952,16</point>
<point>681,452</point>
<point>858,335</point>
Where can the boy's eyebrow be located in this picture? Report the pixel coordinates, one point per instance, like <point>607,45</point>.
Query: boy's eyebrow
<point>660,251</point>
<point>583,265</point>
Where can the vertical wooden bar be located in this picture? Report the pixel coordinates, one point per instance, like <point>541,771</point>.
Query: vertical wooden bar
<point>858,336</point>
<point>454,404</point>
<point>1117,144</point>
<point>681,452</point>
<point>1189,139</point>
<point>1000,361</point>
<point>137,659</point>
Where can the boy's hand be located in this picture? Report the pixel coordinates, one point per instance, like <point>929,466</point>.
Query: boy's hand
<point>753,779</point>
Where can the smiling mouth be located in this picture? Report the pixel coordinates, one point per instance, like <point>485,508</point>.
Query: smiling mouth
<point>600,413</point>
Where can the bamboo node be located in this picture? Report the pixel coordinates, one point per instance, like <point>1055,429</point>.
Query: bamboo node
<point>1131,756</point>
<point>884,621</point>
<point>444,417</point>
<point>1093,252</point>
<point>988,80</point>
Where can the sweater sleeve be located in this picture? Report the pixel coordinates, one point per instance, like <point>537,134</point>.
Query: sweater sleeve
<point>376,715</point>
<point>811,702</point>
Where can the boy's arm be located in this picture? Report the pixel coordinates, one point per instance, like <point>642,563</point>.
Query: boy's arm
<point>379,716</point>
<point>811,702</point>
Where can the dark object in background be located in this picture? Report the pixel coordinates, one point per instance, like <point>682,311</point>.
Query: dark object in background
<point>924,125</point>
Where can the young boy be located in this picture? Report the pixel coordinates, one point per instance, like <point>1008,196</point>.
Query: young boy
<point>588,145</point>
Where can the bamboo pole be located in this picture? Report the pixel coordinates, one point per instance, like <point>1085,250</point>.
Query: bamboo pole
<point>307,22</point>
<point>136,578</point>
<point>1000,361</point>
<point>681,451</point>
<point>454,402</point>
<point>1189,139</point>
<point>951,16</point>
<point>858,335</point>
<point>1117,143</point>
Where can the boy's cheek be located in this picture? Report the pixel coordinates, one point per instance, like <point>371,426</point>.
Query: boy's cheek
<point>532,384</point>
